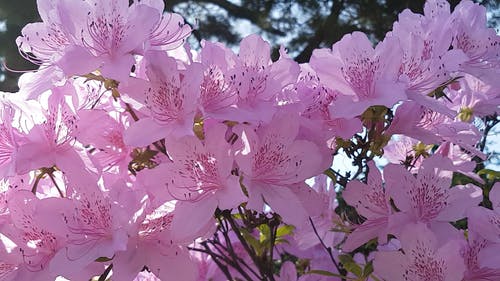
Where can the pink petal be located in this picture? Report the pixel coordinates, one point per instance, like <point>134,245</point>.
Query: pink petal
<point>192,220</point>
<point>280,199</point>
<point>389,265</point>
<point>461,198</point>
<point>144,132</point>
<point>363,233</point>
<point>78,60</point>
<point>495,197</point>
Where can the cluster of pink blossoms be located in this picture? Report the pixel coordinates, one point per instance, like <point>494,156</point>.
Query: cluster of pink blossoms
<point>122,145</point>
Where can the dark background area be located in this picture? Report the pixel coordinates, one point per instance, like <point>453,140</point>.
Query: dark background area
<point>300,25</point>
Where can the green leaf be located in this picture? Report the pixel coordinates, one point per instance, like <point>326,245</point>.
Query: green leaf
<point>368,269</point>
<point>103,259</point>
<point>328,273</point>
<point>321,272</point>
<point>281,240</point>
<point>350,265</point>
<point>284,230</point>
<point>237,216</point>
<point>490,174</point>
<point>265,233</point>
<point>252,241</point>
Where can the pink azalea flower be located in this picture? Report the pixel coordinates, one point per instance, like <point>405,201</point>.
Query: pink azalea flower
<point>481,259</point>
<point>372,202</point>
<point>33,84</point>
<point>315,99</point>
<point>258,81</point>
<point>430,127</point>
<point>462,160</point>
<point>97,223</point>
<point>105,135</point>
<point>89,35</point>
<point>36,240</point>
<point>399,148</point>
<point>479,43</point>
<point>427,61</point>
<point>200,178</point>
<point>428,198</point>
<point>423,259</point>
<point>414,120</point>
<point>112,31</point>
<point>48,43</point>
<point>366,76</point>
<point>151,245</point>
<point>474,98</point>
<point>86,95</point>
<point>170,31</point>
<point>320,203</point>
<point>486,222</point>
<point>9,142</point>
<point>271,160</point>
<point>218,93</point>
<point>171,97</point>
<point>9,264</point>
<point>51,143</point>
<point>7,187</point>
<point>11,258</point>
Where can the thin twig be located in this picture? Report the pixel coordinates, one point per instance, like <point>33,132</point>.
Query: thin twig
<point>232,252</point>
<point>243,242</point>
<point>273,230</point>
<point>487,129</point>
<point>37,180</point>
<point>55,183</point>
<point>105,274</point>
<point>328,249</point>
<point>215,258</point>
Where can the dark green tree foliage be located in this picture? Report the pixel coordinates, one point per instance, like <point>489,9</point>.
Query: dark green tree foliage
<point>14,15</point>
<point>300,25</point>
